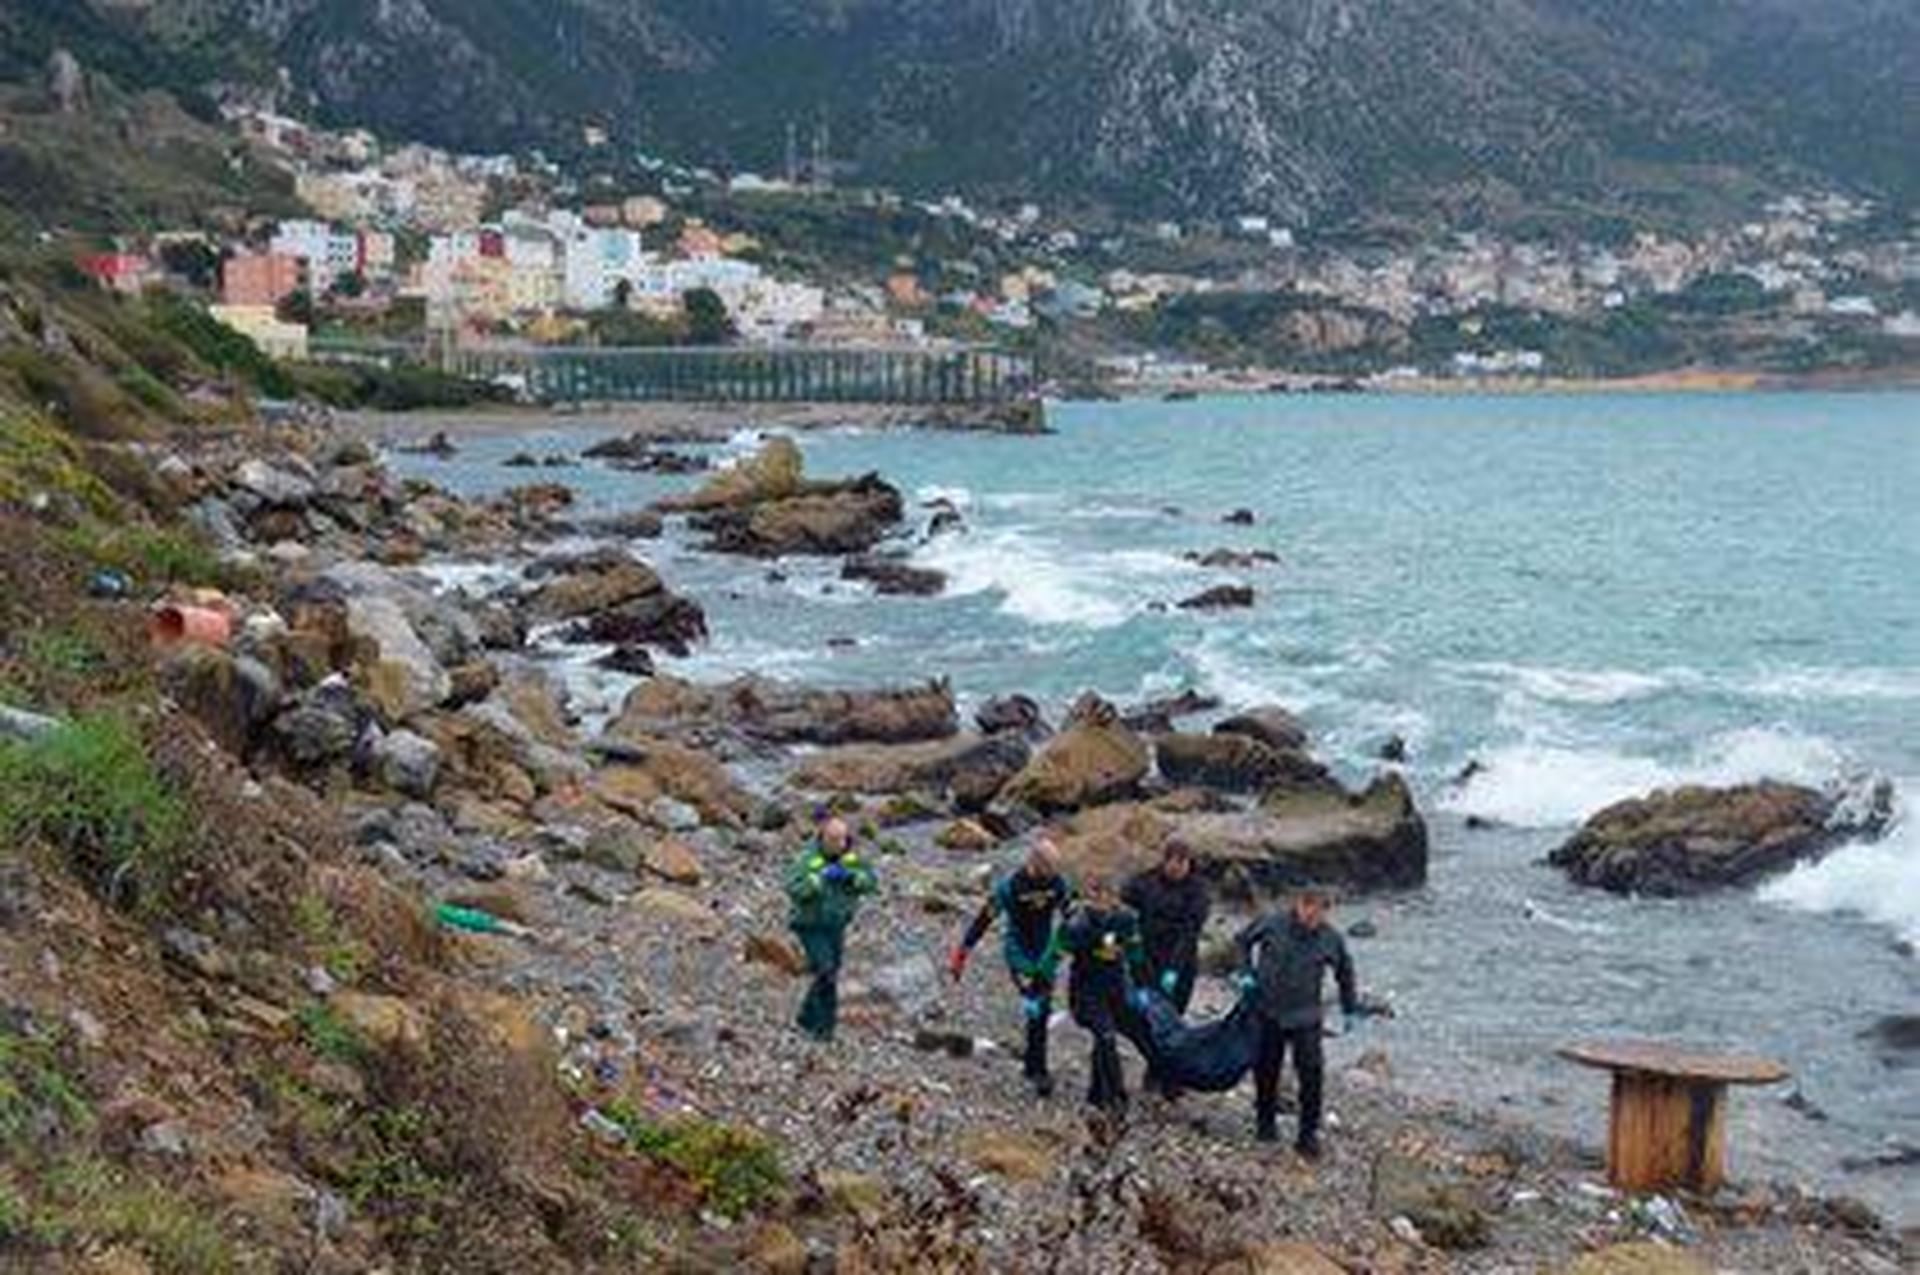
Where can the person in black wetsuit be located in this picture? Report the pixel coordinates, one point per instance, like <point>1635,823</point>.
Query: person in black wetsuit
<point>1171,902</point>
<point>1109,966</point>
<point>1034,899</point>
<point>1285,957</point>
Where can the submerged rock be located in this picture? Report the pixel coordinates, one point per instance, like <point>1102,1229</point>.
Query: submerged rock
<point>1219,598</point>
<point>1681,841</point>
<point>894,575</point>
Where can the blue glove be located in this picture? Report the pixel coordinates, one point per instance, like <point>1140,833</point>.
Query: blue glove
<point>1169,979</point>
<point>1141,998</point>
<point>835,872</point>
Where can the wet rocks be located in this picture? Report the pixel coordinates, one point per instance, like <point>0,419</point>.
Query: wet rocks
<point>1682,841</point>
<point>1268,723</point>
<point>1157,716</point>
<point>1233,559</point>
<point>894,575</point>
<point>1221,597</point>
<point>587,584</point>
<point>1016,714</point>
<point>637,524</point>
<point>1095,758</point>
<point>765,507</point>
<point>663,620</point>
<point>826,519</point>
<point>1239,518</point>
<point>1233,762</point>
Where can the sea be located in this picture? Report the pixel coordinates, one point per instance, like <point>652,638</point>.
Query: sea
<point>1582,597</point>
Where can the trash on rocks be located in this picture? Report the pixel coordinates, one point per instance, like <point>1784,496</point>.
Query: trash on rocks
<point>175,624</point>
<point>474,921</point>
<point>108,585</point>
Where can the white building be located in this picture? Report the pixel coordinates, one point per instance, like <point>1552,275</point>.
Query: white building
<point>597,261</point>
<point>328,252</point>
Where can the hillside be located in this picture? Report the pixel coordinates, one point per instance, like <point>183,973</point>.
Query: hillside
<point>1466,109</point>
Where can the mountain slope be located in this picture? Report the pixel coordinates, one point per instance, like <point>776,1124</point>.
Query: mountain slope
<point>1298,107</point>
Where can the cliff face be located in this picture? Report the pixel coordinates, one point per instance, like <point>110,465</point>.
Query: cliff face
<point>1295,107</point>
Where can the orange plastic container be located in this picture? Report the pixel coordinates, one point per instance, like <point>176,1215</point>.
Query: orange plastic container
<point>173,624</point>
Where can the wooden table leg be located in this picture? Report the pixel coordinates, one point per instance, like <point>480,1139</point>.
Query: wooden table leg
<point>1665,1132</point>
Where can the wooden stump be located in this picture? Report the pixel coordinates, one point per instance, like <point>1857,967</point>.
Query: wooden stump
<point>1668,1123</point>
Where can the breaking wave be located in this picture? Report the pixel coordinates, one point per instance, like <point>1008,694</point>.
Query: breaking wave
<point>1045,584</point>
<point>1878,880</point>
<point>1535,785</point>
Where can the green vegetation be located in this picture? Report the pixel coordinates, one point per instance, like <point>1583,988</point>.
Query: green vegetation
<point>36,1095</point>
<point>736,1170</point>
<point>391,389</point>
<point>329,1035</point>
<point>89,792</point>
<point>148,555</point>
<point>89,1201</point>
<point>217,345</point>
<point>390,1170</point>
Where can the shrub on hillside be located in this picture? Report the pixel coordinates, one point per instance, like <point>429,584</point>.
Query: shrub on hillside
<point>89,792</point>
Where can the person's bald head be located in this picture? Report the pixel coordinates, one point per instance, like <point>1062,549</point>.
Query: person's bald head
<point>835,835</point>
<point>1043,857</point>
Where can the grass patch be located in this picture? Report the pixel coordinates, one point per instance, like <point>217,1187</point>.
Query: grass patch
<point>86,1202</point>
<point>736,1170</point>
<point>150,555</point>
<point>40,459</point>
<point>390,1170</point>
<point>329,1035</point>
<point>90,792</point>
<point>37,1098</point>
<point>342,955</point>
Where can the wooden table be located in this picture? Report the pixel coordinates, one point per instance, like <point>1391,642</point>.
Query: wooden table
<point>1668,1124</point>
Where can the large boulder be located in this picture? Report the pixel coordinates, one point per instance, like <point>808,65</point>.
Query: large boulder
<point>970,768</point>
<point>1237,763</point>
<point>1373,840</point>
<point>664,620</point>
<point>826,519</point>
<point>403,678</point>
<point>1680,841</point>
<point>1094,759</point>
<point>588,584</point>
<point>650,769</point>
<point>775,713</point>
<point>774,472</point>
<point>232,696</point>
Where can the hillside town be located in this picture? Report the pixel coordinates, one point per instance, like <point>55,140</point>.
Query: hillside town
<point>415,244</point>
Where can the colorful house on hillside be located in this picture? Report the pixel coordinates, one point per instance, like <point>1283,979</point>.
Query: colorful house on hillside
<point>128,273</point>
<point>262,279</point>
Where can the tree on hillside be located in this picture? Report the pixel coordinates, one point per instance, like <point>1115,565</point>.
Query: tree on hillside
<point>193,260</point>
<point>708,322</point>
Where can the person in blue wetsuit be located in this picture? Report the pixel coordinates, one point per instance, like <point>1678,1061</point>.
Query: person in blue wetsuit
<point>1034,899</point>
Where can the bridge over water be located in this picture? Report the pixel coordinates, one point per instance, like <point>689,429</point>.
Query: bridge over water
<point>957,376</point>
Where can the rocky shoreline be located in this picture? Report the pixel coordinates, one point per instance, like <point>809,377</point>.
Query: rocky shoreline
<point>643,856</point>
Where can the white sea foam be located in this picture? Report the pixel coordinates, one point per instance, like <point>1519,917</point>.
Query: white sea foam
<point>1242,675</point>
<point>1536,785</point>
<point>1835,684</point>
<point>1045,584</point>
<point>1572,685</point>
<point>1878,880</point>
<point>959,497</point>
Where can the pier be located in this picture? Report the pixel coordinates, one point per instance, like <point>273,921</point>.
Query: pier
<point>962,376</point>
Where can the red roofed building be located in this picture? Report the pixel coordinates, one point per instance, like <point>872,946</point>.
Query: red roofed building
<point>125,272</point>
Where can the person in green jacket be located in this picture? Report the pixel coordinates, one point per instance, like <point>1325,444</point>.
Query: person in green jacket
<point>825,886</point>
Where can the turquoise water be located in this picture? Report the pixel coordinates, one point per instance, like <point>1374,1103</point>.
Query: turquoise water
<point>1590,596</point>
